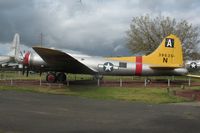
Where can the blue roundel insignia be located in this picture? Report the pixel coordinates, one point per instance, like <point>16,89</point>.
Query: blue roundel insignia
<point>108,67</point>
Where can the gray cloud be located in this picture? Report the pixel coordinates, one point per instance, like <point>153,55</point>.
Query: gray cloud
<point>92,26</point>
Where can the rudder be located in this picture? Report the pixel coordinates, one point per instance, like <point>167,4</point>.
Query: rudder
<point>168,54</point>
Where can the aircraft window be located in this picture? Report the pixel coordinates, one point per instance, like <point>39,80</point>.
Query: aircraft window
<point>122,64</point>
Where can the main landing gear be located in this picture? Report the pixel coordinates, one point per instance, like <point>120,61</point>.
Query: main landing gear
<point>98,77</point>
<point>56,77</point>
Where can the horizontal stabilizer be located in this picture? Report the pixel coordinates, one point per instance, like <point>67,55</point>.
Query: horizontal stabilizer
<point>164,67</point>
<point>193,76</point>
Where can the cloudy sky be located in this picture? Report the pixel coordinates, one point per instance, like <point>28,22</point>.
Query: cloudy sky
<point>95,27</point>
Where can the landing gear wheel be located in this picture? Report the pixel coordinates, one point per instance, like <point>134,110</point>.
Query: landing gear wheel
<point>149,81</point>
<point>61,77</point>
<point>51,77</point>
<point>96,77</point>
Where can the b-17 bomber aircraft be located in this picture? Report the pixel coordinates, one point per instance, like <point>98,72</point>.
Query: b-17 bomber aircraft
<point>166,60</point>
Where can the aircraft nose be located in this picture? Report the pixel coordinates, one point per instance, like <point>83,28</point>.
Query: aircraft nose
<point>26,58</point>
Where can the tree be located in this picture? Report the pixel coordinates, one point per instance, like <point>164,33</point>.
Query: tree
<point>146,34</point>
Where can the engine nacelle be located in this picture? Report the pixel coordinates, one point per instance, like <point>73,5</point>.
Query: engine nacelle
<point>33,60</point>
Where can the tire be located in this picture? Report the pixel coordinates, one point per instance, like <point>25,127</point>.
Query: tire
<point>51,78</point>
<point>61,77</point>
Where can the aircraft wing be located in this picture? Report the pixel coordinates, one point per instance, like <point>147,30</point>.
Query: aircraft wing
<point>62,61</point>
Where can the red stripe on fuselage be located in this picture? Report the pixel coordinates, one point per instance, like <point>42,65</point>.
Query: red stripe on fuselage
<point>138,71</point>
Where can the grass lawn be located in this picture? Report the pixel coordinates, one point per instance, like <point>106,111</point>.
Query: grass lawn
<point>145,95</point>
<point>139,94</point>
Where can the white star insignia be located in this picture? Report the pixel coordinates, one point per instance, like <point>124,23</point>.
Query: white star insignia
<point>108,67</point>
<point>193,65</point>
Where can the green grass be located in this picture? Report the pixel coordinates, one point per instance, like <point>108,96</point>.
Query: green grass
<point>194,88</point>
<point>142,94</point>
<point>145,95</point>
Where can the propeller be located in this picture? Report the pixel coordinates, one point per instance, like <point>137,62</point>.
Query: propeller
<point>26,64</point>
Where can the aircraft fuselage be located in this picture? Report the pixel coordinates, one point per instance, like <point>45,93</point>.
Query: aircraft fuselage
<point>104,66</point>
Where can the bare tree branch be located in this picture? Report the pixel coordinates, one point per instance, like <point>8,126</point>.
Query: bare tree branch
<point>146,34</point>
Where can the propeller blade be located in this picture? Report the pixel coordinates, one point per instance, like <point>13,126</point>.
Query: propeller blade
<point>25,62</point>
<point>23,69</point>
<point>27,72</point>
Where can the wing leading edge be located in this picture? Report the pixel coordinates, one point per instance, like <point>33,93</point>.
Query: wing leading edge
<point>62,61</point>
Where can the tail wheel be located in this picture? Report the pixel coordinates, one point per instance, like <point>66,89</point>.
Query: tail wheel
<point>61,77</point>
<point>51,77</point>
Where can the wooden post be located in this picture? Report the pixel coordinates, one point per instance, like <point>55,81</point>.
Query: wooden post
<point>98,82</point>
<point>145,81</point>
<point>120,82</point>
<point>189,81</point>
<point>40,81</point>
<point>168,83</point>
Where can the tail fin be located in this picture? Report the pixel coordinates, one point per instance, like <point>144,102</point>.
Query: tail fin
<point>15,47</point>
<point>168,54</point>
